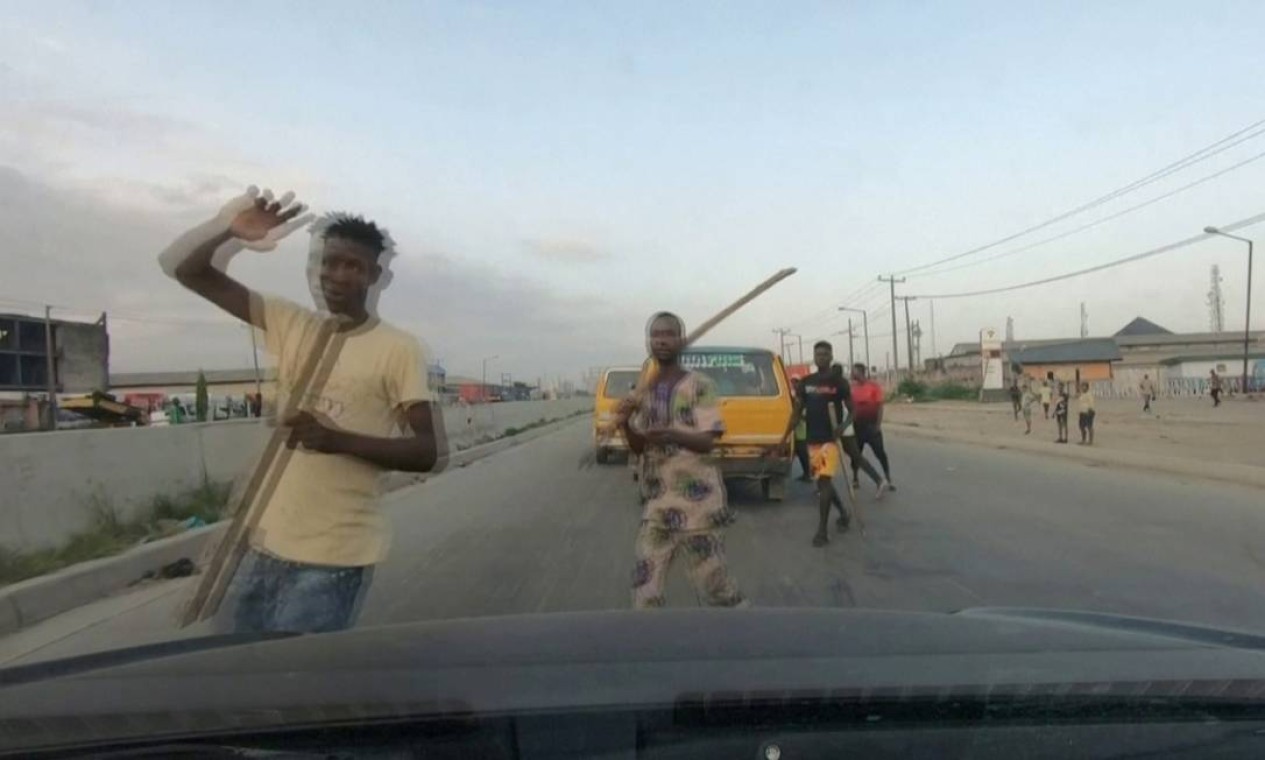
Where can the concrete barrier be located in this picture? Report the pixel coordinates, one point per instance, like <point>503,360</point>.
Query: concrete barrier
<point>36,599</point>
<point>51,482</point>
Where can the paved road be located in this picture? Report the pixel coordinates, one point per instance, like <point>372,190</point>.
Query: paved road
<point>526,531</point>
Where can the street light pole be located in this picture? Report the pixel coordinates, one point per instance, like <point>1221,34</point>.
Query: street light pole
<point>851,361</point>
<point>1247,318</point>
<point>483,388</point>
<point>865,323</point>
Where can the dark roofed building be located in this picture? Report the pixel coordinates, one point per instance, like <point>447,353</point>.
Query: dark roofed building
<point>1087,359</point>
<point>1142,326</point>
<point>1066,352</point>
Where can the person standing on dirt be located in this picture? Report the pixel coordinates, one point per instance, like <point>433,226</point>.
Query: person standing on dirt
<point>673,428</point>
<point>1030,398</point>
<point>1214,385</point>
<point>1047,392</point>
<point>867,407</point>
<point>1085,405</point>
<point>1147,389</point>
<point>1016,396</point>
<point>1060,413</point>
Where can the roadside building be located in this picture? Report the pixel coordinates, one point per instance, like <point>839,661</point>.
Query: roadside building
<point>1083,360</point>
<point>1179,362</point>
<point>79,356</point>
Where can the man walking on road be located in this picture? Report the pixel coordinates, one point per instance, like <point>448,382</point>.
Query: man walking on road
<point>320,532</point>
<point>673,430</point>
<point>848,442</point>
<point>867,407</point>
<point>1016,397</point>
<point>1147,388</point>
<point>1214,384</point>
<point>818,394</point>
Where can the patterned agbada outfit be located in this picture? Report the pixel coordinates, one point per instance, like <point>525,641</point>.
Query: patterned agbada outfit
<point>685,507</point>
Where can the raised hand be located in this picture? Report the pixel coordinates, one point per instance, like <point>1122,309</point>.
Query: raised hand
<point>259,221</point>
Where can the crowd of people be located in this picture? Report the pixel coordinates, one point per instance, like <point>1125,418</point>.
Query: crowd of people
<point>1055,396</point>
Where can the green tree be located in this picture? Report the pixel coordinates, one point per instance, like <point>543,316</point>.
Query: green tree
<point>200,401</point>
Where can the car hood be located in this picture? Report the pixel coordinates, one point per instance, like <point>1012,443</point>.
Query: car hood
<point>615,659</point>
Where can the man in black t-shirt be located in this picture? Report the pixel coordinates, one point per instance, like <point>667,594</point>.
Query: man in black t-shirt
<point>818,395</point>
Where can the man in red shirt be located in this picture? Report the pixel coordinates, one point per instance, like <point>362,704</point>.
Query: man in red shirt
<point>867,410</point>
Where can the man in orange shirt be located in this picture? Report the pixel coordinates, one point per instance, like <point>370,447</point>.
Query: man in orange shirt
<point>867,410</point>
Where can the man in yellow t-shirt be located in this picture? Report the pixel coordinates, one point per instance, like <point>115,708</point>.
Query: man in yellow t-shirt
<point>321,532</point>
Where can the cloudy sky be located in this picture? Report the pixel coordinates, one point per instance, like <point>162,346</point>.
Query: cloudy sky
<point>553,172</point>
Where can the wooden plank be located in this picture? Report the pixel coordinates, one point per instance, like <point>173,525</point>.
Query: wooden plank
<point>227,555</point>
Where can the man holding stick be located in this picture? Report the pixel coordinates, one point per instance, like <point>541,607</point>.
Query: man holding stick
<point>673,427</point>
<point>319,531</point>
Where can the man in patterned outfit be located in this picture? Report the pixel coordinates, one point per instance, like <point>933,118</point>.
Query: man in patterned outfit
<point>673,428</point>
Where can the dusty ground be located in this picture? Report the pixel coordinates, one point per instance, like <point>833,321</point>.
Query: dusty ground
<point>1178,427</point>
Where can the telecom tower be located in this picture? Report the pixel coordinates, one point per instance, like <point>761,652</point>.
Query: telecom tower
<point>1084,321</point>
<point>1010,330</point>
<point>1216,302</point>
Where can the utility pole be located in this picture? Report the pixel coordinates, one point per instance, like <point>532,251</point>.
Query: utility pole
<point>50,368</point>
<point>909,334</point>
<point>934,351</point>
<point>917,333</point>
<point>851,361</point>
<point>865,324</point>
<point>892,280</point>
<point>781,342</point>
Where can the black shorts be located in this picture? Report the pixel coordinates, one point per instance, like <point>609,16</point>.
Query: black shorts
<point>1087,420</point>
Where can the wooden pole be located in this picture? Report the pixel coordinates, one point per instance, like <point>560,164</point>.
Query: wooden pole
<point>230,551</point>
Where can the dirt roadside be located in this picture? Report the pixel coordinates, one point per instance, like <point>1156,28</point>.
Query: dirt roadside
<point>1185,436</point>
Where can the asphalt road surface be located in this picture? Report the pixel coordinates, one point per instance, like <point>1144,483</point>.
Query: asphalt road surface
<point>527,531</point>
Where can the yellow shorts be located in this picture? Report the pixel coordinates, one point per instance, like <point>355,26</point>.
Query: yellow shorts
<point>824,459</point>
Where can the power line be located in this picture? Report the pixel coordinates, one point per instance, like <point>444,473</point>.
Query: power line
<point>1126,260</point>
<point>1203,154</point>
<point>1104,220</point>
<point>832,309</point>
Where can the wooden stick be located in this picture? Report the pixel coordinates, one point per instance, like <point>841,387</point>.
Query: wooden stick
<point>647,377</point>
<point>232,548</point>
<point>648,367</point>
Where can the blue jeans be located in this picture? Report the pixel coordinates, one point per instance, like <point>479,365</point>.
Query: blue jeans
<point>272,594</point>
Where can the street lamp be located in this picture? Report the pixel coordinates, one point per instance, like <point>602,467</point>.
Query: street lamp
<point>483,389</point>
<point>865,321</point>
<point>1247,319</point>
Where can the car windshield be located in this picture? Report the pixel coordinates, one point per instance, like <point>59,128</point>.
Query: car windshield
<point>620,383</point>
<point>735,373</point>
<point>328,317</point>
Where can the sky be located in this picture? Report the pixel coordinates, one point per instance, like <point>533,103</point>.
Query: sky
<point>555,172</point>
